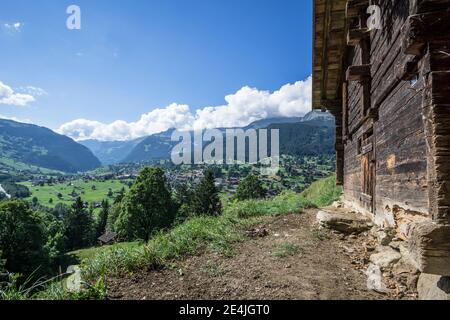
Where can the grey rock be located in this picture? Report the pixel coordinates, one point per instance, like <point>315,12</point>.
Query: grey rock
<point>433,287</point>
<point>375,279</point>
<point>343,221</point>
<point>383,236</point>
<point>386,257</point>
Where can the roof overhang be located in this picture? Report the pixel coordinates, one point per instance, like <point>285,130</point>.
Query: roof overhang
<point>328,54</point>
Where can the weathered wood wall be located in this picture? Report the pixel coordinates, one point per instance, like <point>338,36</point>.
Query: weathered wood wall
<point>394,113</point>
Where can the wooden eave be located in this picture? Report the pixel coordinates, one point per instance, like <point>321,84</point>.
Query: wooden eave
<point>328,54</point>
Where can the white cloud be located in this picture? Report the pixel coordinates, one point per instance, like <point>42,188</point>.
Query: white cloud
<point>13,27</point>
<point>241,108</point>
<point>9,97</point>
<point>33,91</point>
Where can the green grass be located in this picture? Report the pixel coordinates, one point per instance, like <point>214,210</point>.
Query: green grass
<point>285,250</point>
<point>215,234</point>
<point>89,253</point>
<point>211,233</point>
<point>322,192</point>
<point>13,165</point>
<point>82,188</point>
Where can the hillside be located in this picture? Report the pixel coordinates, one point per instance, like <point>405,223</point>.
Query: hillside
<point>111,152</point>
<point>298,138</point>
<point>30,145</point>
<point>202,258</point>
<point>155,147</point>
<point>306,138</point>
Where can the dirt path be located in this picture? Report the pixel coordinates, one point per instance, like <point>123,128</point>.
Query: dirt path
<point>294,261</point>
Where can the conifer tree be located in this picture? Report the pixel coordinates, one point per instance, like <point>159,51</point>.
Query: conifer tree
<point>78,226</point>
<point>250,188</point>
<point>206,198</point>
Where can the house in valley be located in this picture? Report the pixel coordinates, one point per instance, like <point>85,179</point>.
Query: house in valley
<point>389,90</point>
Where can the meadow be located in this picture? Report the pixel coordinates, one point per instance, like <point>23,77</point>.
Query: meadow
<point>89,191</point>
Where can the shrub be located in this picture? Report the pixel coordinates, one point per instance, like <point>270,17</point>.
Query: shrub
<point>250,188</point>
<point>22,239</point>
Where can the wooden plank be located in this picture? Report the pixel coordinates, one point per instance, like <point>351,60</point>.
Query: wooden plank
<point>354,36</point>
<point>366,198</point>
<point>422,6</point>
<point>430,248</point>
<point>367,148</point>
<point>355,8</point>
<point>331,104</point>
<point>422,28</point>
<point>358,73</point>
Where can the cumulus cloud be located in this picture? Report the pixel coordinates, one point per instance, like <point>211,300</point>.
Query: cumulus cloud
<point>13,27</point>
<point>33,91</point>
<point>158,120</point>
<point>9,97</point>
<point>243,107</point>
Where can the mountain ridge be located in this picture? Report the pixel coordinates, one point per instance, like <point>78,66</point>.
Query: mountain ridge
<point>39,146</point>
<point>158,145</point>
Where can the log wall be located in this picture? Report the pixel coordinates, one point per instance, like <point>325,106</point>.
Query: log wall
<point>400,149</point>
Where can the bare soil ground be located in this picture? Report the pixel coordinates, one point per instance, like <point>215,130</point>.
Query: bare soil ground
<point>293,261</point>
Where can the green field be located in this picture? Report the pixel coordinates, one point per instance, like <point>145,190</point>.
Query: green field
<point>91,191</point>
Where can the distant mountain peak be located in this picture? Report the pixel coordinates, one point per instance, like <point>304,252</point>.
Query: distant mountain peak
<point>315,115</point>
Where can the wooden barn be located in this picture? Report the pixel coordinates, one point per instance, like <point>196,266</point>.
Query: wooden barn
<point>389,89</point>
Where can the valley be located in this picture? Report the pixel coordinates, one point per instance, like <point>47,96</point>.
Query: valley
<point>130,192</point>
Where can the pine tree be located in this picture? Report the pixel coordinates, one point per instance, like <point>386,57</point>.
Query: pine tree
<point>206,198</point>
<point>119,196</point>
<point>250,188</point>
<point>103,218</point>
<point>78,226</point>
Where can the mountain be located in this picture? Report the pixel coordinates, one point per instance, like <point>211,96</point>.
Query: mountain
<point>154,147</point>
<point>27,144</point>
<point>111,152</point>
<point>318,116</point>
<point>264,123</point>
<point>306,138</point>
<point>298,136</point>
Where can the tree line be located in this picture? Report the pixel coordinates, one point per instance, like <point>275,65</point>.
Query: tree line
<point>34,239</point>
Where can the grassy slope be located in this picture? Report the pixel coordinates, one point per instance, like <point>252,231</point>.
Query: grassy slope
<point>194,236</point>
<point>45,193</point>
<point>10,165</point>
<point>90,253</point>
<point>210,233</point>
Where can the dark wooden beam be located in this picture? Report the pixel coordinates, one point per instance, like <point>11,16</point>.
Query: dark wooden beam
<point>356,8</point>
<point>422,6</point>
<point>358,73</point>
<point>354,36</point>
<point>331,104</point>
<point>422,28</point>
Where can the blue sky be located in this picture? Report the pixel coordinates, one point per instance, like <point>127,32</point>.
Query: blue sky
<point>135,56</point>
